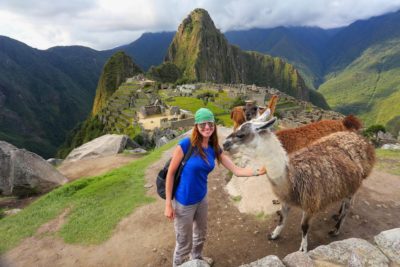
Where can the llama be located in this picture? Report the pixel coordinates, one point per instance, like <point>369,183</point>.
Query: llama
<point>329,170</point>
<point>297,138</point>
<point>241,114</point>
<point>238,117</point>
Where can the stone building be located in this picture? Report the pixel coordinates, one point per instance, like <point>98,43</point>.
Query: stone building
<point>149,110</point>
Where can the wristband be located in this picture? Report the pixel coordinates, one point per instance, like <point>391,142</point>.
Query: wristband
<point>256,172</point>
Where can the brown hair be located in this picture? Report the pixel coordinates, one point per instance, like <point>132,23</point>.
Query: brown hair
<point>197,138</point>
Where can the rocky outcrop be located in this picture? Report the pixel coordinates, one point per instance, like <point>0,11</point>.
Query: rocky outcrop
<point>353,252</point>
<point>24,173</point>
<point>163,136</point>
<point>270,261</point>
<point>202,53</point>
<point>195,263</point>
<point>389,242</point>
<point>298,259</point>
<point>106,145</point>
<point>356,249</point>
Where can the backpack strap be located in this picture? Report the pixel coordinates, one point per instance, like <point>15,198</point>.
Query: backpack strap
<point>183,162</point>
<point>180,168</point>
<point>187,155</point>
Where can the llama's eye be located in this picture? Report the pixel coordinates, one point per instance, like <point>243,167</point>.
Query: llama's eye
<point>240,135</point>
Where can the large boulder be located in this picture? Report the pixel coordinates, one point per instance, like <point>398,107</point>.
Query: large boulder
<point>298,259</point>
<point>195,263</point>
<point>24,173</point>
<point>106,145</point>
<point>269,261</point>
<point>389,242</point>
<point>352,251</point>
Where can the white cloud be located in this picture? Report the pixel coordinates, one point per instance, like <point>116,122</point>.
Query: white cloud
<point>103,24</point>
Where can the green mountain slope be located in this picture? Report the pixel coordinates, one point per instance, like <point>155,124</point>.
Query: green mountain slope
<point>369,86</point>
<point>349,43</point>
<point>202,53</point>
<point>115,71</point>
<point>300,46</point>
<point>108,95</point>
<point>43,94</point>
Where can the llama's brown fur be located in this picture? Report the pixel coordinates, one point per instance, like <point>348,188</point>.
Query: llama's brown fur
<point>339,161</point>
<point>297,138</point>
<point>238,117</point>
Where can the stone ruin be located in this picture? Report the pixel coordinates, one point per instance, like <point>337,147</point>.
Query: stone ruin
<point>155,109</point>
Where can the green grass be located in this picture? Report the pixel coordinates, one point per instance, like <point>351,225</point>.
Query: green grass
<point>237,198</point>
<point>261,215</point>
<point>220,107</point>
<point>96,205</point>
<point>193,104</point>
<point>388,160</point>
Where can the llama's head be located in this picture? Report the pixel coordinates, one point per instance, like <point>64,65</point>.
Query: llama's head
<point>250,111</point>
<point>249,135</point>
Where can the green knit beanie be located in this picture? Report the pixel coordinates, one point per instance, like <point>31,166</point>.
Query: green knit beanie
<point>203,115</point>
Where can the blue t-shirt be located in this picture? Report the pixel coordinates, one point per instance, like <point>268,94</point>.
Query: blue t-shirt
<point>192,187</point>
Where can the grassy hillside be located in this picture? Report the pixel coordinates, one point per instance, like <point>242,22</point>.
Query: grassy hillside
<point>370,86</point>
<point>95,205</point>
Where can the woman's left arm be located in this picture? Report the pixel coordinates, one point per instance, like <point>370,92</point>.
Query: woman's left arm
<point>236,170</point>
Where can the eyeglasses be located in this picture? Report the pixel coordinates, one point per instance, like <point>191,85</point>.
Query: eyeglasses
<point>203,125</point>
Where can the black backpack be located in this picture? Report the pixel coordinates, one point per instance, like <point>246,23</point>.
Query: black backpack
<point>162,175</point>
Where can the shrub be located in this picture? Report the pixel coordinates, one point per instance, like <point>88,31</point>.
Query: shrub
<point>373,130</point>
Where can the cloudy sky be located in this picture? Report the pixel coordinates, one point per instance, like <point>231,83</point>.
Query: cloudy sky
<point>104,24</point>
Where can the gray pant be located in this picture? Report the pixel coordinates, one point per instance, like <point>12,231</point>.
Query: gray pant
<point>190,230</point>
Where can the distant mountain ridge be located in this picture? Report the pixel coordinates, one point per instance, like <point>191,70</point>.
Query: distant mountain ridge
<point>301,46</point>
<point>149,49</point>
<point>44,93</point>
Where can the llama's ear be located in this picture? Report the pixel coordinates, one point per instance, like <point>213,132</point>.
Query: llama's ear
<point>263,117</point>
<point>266,114</point>
<point>267,124</point>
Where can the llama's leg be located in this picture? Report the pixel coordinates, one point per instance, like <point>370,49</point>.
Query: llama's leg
<point>343,212</point>
<point>283,213</point>
<point>304,228</point>
<point>336,217</point>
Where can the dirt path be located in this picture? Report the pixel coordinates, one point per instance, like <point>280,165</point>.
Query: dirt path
<point>91,167</point>
<point>146,238</point>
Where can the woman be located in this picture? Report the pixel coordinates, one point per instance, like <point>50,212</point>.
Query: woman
<point>189,209</point>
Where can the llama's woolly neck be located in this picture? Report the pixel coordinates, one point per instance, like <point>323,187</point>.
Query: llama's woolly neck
<point>274,157</point>
<point>266,150</point>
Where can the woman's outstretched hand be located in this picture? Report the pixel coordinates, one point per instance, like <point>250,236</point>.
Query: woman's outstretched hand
<point>262,170</point>
<point>169,211</point>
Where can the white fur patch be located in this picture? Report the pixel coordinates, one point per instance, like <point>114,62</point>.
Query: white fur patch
<point>277,231</point>
<point>304,244</point>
